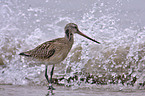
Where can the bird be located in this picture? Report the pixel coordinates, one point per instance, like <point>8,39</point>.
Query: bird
<point>54,51</point>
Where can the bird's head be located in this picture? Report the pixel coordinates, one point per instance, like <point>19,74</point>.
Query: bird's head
<point>72,28</point>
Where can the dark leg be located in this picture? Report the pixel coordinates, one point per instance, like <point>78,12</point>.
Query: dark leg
<point>51,74</point>
<point>49,81</point>
<point>46,76</point>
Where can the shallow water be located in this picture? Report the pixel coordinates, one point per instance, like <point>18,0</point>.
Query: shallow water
<point>11,90</point>
<point>118,24</point>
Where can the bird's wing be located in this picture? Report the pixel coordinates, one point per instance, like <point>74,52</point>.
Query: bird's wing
<point>43,51</point>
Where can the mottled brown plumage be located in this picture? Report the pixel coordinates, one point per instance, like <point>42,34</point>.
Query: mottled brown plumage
<point>51,52</point>
<point>54,51</point>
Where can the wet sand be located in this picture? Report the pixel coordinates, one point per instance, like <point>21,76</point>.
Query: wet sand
<point>15,90</point>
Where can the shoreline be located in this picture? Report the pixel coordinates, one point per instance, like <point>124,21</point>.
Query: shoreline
<point>24,90</point>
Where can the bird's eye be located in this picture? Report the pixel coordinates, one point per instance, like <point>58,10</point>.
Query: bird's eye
<point>75,26</point>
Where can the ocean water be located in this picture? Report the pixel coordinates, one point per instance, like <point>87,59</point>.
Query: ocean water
<point>118,24</point>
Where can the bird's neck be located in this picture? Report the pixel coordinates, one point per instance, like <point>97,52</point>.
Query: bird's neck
<point>69,36</point>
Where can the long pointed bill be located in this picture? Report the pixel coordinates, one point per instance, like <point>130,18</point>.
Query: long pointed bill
<point>80,33</point>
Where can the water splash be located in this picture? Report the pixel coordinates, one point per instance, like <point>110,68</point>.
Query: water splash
<point>119,59</point>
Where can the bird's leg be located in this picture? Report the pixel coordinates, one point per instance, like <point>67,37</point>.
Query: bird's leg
<point>51,74</point>
<point>49,81</point>
<point>46,76</point>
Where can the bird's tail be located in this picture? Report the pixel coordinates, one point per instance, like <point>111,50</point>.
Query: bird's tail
<point>25,54</point>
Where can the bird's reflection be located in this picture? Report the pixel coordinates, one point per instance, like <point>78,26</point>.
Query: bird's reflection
<point>50,93</point>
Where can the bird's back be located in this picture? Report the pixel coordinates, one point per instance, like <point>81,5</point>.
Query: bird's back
<point>51,52</point>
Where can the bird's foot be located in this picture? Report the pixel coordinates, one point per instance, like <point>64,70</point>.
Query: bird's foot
<point>50,90</point>
<point>50,87</point>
